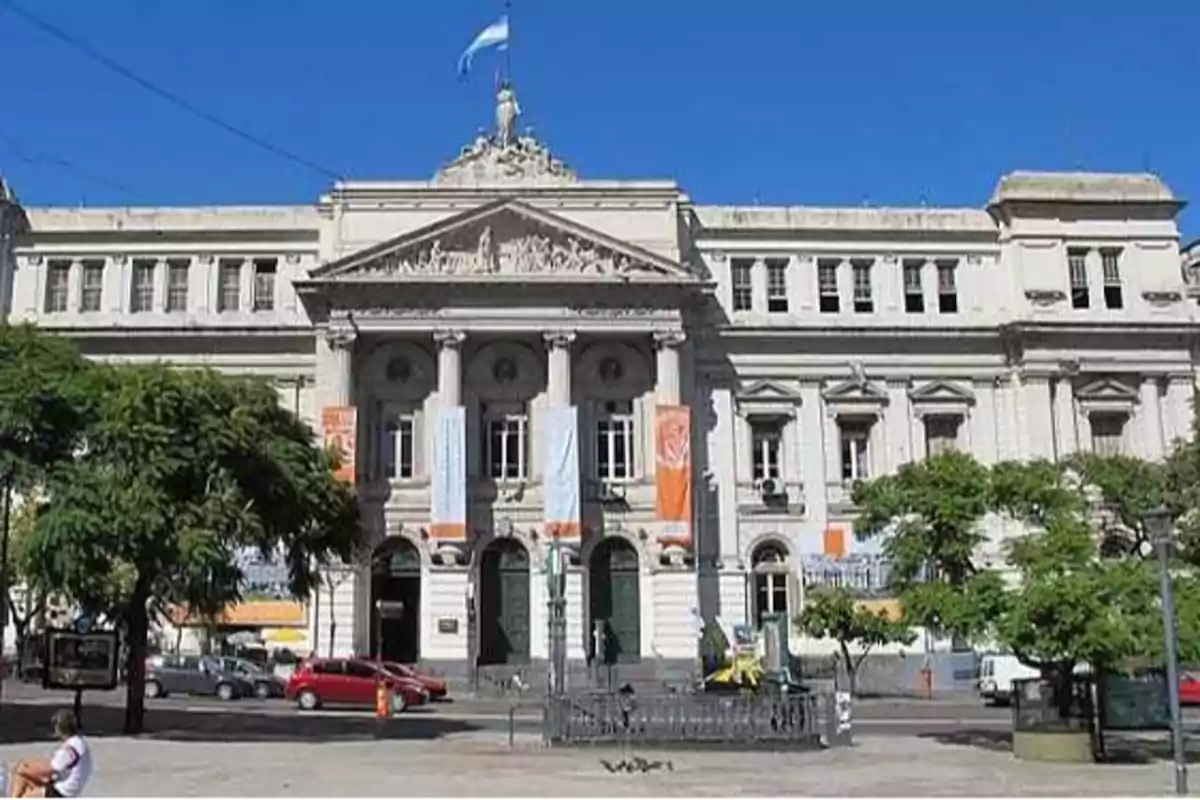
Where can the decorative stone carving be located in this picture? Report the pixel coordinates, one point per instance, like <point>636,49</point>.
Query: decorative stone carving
<point>559,339</point>
<point>292,258</point>
<point>340,335</point>
<point>858,373</point>
<point>449,338</point>
<point>1161,298</point>
<point>529,254</point>
<point>616,311</point>
<point>1045,297</point>
<point>669,337</point>
<point>505,159</point>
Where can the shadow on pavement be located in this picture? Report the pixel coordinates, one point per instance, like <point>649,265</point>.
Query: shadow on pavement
<point>998,741</point>
<point>30,722</point>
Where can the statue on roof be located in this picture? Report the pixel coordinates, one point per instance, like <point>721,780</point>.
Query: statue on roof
<point>507,111</point>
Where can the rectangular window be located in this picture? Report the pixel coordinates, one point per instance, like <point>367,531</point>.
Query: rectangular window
<point>1111,261</point>
<point>766,445</point>
<point>177,285</point>
<point>855,453</point>
<point>504,448</point>
<point>229,287</point>
<point>1077,266</point>
<point>58,281</point>
<point>947,286</point>
<point>864,303</point>
<point>91,291</point>
<point>743,285</point>
<point>827,286</point>
<point>141,293</point>
<point>264,284</point>
<point>941,434</point>
<point>777,296</point>
<point>770,593</point>
<point>398,447</point>
<point>614,442</point>
<point>1108,434</point>
<point>914,288</point>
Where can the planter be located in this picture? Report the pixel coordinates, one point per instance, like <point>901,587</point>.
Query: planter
<point>1063,747</point>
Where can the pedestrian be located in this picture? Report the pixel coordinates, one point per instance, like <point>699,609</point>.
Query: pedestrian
<point>65,774</point>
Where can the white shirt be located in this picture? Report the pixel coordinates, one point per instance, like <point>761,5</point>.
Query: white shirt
<point>72,764</point>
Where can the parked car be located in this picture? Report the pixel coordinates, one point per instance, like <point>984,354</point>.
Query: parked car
<point>195,675</point>
<point>349,681</point>
<point>1189,689</point>
<point>266,684</point>
<point>996,676</point>
<point>435,686</point>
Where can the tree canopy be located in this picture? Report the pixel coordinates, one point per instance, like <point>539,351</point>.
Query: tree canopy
<point>835,613</point>
<point>181,469</point>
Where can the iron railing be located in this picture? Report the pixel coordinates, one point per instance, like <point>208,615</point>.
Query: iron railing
<point>795,720</point>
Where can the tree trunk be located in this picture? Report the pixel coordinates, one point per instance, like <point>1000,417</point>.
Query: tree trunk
<point>137,629</point>
<point>851,669</point>
<point>332,619</point>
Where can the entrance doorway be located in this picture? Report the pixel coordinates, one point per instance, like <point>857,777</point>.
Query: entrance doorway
<point>396,601</point>
<point>614,599</point>
<point>504,604</point>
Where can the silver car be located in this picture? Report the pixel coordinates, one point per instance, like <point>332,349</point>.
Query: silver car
<point>193,675</point>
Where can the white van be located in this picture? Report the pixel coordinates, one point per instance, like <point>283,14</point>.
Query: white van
<point>996,676</point>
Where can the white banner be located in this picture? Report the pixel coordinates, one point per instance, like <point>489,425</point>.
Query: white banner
<point>449,496</point>
<point>560,470</point>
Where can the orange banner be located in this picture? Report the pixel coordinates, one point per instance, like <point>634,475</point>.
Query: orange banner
<point>673,473</point>
<point>835,542</point>
<point>340,424</point>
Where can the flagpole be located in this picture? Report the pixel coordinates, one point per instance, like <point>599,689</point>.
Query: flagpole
<point>508,46</point>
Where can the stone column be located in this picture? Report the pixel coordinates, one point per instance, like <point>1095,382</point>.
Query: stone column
<point>449,344</point>
<point>341,337</point>
<point>667,344</point>
<point>558,384</point>
<point>1150,414</point>
<point>1066,439</point>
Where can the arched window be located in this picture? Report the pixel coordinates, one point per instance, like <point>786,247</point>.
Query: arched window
<point>771,576</point>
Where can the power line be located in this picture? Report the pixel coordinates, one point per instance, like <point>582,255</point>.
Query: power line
<point>165,94</point>
<point>22,154</point>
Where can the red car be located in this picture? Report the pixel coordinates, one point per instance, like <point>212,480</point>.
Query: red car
<point>350,682</point>
<point>1189,689</point>
<point>435,686</point>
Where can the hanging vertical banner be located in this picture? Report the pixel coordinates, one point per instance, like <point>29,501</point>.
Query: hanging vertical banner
<point>449,511</point>
<point>560,470</point>
<point>673,473</point>
<point>340,427</point>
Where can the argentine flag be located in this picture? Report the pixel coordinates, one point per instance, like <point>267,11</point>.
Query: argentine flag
<point>494,35</point>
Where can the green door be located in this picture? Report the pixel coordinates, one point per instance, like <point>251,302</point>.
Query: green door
<point>504,604</point>
<point>396,602</point>
<point>615,599</point>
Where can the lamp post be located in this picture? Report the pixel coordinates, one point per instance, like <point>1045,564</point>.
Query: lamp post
<point>1159,524</point>
<point>4,610</point>
<point>558,619</point>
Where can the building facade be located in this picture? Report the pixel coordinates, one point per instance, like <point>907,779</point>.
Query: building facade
<point>679,394</point>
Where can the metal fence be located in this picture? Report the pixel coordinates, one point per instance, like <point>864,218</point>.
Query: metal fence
<point>799,721</point>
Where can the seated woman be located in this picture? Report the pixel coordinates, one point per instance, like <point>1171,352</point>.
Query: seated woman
<point>65,773</point>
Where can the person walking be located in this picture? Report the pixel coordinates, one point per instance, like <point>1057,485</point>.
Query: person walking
<point>64,774</point>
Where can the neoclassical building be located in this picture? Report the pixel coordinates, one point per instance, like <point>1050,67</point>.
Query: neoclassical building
<point>680,394</point>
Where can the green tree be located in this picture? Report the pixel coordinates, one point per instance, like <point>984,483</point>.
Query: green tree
<point>836,614</point>
<point>182,469</point>
<point>928,516</point>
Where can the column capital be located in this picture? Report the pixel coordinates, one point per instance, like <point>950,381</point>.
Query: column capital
<point>669,337</point>
<point>449,338</point>
<point>559,339</point>
<point>341,335</point>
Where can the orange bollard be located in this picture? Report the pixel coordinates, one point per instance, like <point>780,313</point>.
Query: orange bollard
<point>383,701</point>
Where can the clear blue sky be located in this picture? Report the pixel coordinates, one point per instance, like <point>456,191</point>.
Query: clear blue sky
<point>779,101</point>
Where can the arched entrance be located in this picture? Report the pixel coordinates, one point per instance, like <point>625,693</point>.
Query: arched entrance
<point>615,600</point>
<point>396,601</point>
<point>504,603</point>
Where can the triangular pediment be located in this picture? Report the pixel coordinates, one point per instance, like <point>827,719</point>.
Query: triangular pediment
<point>766,391</point>
<point>1107,389</point>
<point>506,240</point>
<point>855,391</point>
<point>942,392</point>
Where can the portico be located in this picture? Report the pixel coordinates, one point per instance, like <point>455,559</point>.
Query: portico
<point>507,367</point>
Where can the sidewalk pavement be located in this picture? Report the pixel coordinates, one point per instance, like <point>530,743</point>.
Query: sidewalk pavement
<point>479,764</point>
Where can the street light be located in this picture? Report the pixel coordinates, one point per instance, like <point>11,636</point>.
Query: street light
<point>4,610</point>
<point>1159,524</point>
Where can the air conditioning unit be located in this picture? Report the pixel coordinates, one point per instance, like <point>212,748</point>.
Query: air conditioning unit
<point>769,487</point>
